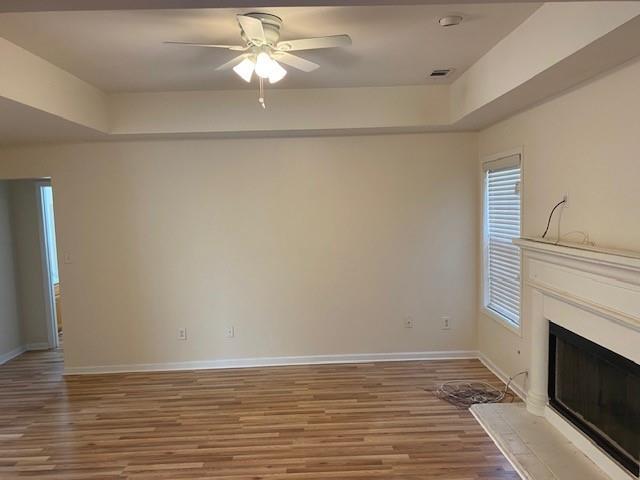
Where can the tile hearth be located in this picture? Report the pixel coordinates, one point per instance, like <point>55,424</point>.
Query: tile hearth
<point>537,450</point>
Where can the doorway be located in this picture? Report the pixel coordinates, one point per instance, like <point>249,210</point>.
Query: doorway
<point>50,264</point>
<point>29,284</point>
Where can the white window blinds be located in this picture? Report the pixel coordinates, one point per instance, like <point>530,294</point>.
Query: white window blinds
<point>502,225</point>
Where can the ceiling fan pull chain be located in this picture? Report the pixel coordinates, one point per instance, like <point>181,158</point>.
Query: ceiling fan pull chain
<point>261,96</point>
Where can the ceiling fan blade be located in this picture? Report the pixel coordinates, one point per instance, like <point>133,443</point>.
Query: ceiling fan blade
<point>232,63</point>
<point>314,43</point>
<point>252,27</point>
<point>295,61</point>
<point>239,48</point>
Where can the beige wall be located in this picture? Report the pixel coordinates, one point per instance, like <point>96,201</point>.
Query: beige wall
<point>585,143</point>
<point>319,245</point>
<point>290,110</point>
<point>10,332</point>
<point>25,215</point>
<point>49,88</point>
<point>305,245</point>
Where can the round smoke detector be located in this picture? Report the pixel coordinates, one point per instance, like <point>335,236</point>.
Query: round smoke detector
<point>450,20</point>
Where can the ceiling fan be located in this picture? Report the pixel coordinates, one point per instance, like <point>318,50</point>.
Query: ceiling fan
<point>262,52</point>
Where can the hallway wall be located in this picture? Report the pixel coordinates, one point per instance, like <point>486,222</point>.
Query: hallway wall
<point>25,219</point>
<point>10,331</point>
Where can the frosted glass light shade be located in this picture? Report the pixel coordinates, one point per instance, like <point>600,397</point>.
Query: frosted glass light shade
<point>245,69</point>
<point>277,72</point>
<point>264,65</point>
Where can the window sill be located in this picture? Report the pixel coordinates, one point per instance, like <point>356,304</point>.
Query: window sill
<point>515,329</point>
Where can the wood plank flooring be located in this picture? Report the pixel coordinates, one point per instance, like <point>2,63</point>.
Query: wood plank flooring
<point>347,422</point>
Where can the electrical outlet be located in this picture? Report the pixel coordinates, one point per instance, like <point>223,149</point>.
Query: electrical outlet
<point>408,322</point>
<point>446,323</point>
<point>229,332</point>
<point>182,333</point>
<point>565,197</point>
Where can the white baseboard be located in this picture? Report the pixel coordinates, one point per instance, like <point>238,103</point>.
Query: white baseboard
<point>274,361</point>
<point>517,389</point>
<point>5,357</point>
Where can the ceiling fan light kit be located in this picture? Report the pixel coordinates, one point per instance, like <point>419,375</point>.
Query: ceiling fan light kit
<point>277,72</point>
<point>260,33</point>
<point>267,67</point>
<point>245,69</point>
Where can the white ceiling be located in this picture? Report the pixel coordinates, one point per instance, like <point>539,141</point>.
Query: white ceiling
<point>122,51</point>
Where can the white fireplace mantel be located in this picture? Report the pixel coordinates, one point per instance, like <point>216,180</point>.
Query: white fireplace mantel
<point>593,292</point>
<point>604,282</point>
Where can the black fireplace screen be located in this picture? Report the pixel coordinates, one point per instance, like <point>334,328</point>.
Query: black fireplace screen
<point>598,391</point>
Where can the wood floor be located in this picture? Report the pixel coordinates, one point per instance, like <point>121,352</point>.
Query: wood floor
<point>364,421</point>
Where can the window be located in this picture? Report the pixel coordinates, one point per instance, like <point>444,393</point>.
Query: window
<point>50,231</point>
<point>501,226</point>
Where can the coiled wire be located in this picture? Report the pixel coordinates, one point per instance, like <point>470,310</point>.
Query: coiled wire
<point>464,393</point>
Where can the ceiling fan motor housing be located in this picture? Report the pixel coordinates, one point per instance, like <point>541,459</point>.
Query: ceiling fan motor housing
<point>270,24</point>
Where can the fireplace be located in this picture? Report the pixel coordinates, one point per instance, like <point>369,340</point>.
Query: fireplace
<point>581,325</point>
<point>598,391</point>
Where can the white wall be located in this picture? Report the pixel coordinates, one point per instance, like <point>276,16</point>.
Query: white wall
<point>10,332</point>
<point>319,245</point>
<point>306,246</point>
<point>25,205</point>
<point>553,33</point>
<point>585,143</point>
<point>289,110</point>
<point>42,85</point>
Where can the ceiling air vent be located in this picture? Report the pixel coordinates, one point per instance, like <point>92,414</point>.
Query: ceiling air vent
<point>440,73</point>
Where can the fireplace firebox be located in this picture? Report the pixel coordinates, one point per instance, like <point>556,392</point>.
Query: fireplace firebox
<point>598,391</point>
